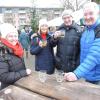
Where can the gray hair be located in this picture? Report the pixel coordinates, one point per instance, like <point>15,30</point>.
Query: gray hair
<point>91,5</point>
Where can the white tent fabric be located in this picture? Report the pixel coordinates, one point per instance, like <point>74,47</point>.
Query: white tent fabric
<point>55,22</point>
<point>58,21</point>
<point>77,15</point>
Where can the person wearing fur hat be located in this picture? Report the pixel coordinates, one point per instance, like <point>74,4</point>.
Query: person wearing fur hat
<point>12,66</point>
<point>68,43</point>
<point>42,48</point>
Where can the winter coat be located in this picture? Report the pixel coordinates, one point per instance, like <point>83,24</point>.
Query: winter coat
<point>68,48</point>
<point>44,57</point>
<point>24,40</point>
<point>90,55</point>
<point>12,68</point>
<point>30,34</point>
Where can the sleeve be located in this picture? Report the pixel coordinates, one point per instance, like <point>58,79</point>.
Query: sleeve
<point>53,42</point>
<point>20,38</point>
<point>92,59</point>
<point>35,48</point>
<point>10,77</point>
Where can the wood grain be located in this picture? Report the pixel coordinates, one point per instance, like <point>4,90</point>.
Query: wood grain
<point>79,90</point>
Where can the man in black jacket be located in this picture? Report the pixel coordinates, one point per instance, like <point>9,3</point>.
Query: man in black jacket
<point>68,43</point>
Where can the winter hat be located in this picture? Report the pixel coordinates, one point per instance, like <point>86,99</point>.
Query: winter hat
<point>67,12</point>
<point>42,22</point>
<point>7,28</point>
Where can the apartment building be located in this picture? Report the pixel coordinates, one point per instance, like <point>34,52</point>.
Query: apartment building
<point>21,16</point>
<point>16,15</point>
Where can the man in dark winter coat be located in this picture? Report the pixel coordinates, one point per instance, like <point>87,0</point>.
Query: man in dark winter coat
<point>68,49</point>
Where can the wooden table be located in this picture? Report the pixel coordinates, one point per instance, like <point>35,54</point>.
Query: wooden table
<point>79,90</point>
<point>17,93</point>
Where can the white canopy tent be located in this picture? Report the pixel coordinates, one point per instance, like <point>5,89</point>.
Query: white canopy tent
<point>77,15</point>
<point>55,22</point>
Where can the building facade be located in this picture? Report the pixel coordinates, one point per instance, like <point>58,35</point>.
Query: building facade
<point>21,16</point>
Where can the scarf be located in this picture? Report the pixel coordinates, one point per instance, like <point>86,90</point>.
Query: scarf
<point>43,36</point>
<point>17,49</point>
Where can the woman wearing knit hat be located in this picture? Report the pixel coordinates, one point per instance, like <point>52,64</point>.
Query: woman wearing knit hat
<point>42,48</point>
<point>12,66</point>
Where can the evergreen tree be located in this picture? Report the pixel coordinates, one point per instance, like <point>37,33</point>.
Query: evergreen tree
<point>97,1</point>
<point>34,20</point>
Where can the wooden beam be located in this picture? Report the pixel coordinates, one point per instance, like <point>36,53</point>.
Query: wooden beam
<point>16,93</point>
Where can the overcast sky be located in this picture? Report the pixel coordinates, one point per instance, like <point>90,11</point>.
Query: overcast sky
<point>39,3</point>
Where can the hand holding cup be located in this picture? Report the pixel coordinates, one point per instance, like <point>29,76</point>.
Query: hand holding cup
<point>60,33</point>
<point>43,43</point>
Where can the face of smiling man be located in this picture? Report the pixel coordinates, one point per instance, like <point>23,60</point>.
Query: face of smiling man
<point>91,13</point>
<point>67,20</point>
<point>67,17</point>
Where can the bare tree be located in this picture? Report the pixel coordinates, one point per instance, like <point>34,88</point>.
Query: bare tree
<point>67,4</point>
<point>73,4</point>
<point>76,4</point>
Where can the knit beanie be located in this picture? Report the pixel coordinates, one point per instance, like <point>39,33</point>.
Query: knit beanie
<point>42,22</point>
<point>67,12</point>
<point>7,28</point>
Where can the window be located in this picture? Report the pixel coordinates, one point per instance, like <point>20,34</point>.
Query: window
<point>0,10</point>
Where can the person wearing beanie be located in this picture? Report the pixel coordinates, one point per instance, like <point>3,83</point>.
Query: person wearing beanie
<point>42,48</point>
<point>12,66</point>
<point>43,22</point>
<point>66,12</point>
<point>89,67</point>
<point>68,43</point>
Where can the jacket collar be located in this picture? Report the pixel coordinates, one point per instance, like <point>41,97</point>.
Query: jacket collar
<point>63,26</point>
<point>94,25</point>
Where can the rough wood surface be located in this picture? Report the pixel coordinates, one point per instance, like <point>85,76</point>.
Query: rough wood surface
<point>61,91</point>
<point>20,94</point>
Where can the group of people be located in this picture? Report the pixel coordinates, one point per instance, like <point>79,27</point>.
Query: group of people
<point>77,51</point>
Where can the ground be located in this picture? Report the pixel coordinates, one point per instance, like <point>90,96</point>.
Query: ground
<point>30,61</point>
